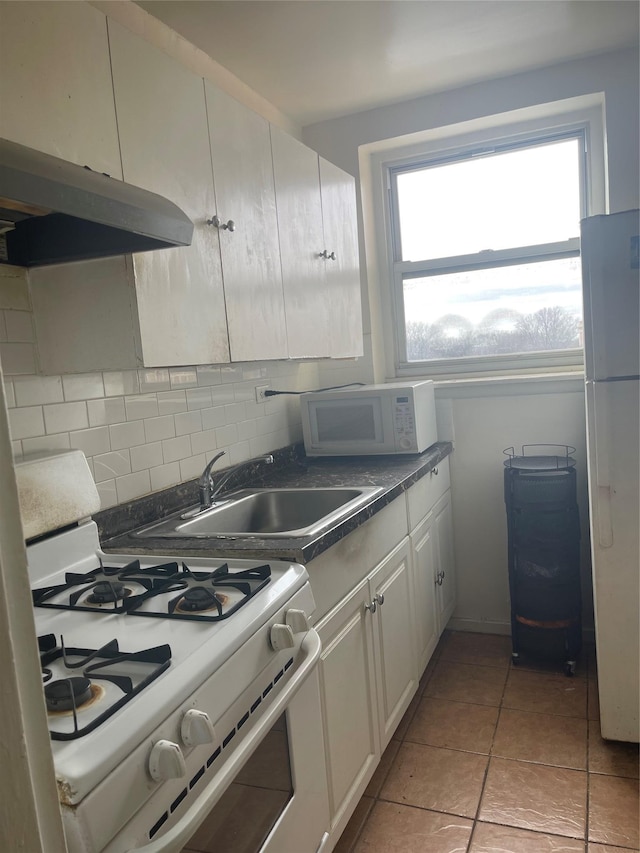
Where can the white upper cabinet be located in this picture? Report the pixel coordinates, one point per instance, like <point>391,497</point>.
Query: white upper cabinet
<point>307,307</point>
<point>248,228</point>
<point>164,141</point>
<point>342,279</point>
<point>55,83</point>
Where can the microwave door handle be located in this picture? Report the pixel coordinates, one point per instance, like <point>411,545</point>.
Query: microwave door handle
<point>174,840</point>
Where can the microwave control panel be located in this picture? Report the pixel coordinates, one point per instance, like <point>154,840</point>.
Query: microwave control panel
<point>404,423</point>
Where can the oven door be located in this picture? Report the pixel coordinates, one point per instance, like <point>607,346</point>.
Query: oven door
<point>271,796</point>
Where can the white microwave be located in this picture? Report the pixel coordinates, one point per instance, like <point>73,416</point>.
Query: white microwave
<point>369,419</point>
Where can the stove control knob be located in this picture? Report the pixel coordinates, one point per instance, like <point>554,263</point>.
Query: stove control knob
<point>196,728</point>
<point>281,638</point>
<point>166,761</point>
<point>297,620</point>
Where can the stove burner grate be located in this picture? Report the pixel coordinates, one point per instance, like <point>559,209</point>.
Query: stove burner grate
<point>203,596</point>
<point>105,664</point>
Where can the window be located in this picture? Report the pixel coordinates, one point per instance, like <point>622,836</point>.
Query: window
<point>486,262</point>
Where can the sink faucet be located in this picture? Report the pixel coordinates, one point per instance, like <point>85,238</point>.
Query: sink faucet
<point>208,491</point>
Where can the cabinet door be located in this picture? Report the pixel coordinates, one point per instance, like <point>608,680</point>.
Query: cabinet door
<point>55,83</point>
<point>245,194</point>
<point>391,589</point>
<point>423,553</point>
<point>307,307</point>
<point>339,218</point>
<point>446,580</point>
<point>164,139</point>
<point>349,710</point>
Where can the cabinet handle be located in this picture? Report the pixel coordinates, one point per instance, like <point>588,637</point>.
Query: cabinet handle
<point>379,598</point>
<point>324,255</point>
<point>439,578</point>
<point>217,223</point>
<point>371,607</point>
<point>435,472</point>
<point>332,256</point>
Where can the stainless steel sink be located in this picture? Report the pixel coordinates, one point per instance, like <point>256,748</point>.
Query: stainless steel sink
<point>265,513</point>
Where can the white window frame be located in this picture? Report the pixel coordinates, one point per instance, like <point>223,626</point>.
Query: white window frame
<point>448,144</point>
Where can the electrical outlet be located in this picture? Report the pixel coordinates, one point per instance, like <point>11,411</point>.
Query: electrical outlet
<point>260,389</point>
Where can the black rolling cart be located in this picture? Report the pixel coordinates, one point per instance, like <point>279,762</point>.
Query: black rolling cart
<point>544,552</point>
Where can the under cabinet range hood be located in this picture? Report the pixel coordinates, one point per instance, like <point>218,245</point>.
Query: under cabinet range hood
<point>53,212</point>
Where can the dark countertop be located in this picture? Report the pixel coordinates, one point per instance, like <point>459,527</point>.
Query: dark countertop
<point>395,474</point>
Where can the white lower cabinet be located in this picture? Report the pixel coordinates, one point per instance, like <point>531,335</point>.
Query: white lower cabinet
<point>368,677</point>
<point>424,555</point>
<point>445,565</point>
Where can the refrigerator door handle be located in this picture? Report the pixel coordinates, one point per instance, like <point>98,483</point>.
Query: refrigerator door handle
<point>602,463</point>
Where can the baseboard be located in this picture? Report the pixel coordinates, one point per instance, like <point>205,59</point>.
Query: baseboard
<point>479,626</point>
<point>482,626</point>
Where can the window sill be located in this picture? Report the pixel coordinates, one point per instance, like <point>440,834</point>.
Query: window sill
<point>513,385</point>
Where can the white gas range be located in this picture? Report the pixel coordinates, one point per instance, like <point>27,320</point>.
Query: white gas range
<point>182,699</point>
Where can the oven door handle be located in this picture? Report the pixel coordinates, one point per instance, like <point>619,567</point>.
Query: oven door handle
<point>174,840</point>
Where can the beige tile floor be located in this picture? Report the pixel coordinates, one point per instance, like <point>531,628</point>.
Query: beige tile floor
<point>490,758</point>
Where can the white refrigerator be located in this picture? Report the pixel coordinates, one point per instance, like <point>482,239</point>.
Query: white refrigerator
<point>611,286</point>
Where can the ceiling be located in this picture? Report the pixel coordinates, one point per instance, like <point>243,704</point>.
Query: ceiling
<point>319,59</point>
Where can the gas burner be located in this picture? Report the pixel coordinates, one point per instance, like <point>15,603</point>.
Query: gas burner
<point>107,591</point>
<point>68,693</point>
<point>198,599</point>
<point>122,675</point>
<point>163,591</point>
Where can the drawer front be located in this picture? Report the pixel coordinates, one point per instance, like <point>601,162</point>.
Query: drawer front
<point>426,492</point>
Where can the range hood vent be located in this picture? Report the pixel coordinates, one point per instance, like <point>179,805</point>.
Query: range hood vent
<point>53,212</point>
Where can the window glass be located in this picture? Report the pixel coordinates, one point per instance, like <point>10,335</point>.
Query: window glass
<point>520,197</point>
<point>532,307</point>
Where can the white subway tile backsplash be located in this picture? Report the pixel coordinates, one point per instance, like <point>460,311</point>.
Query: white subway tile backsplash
<point>110,465</point>
<point>198,398</point>
<point>164,476</point>
<point>38,390</point>
<point>154,380</point>
<point>171,402</point>
<point>91,441</point>
<point>188,422</point>
<point>63,417</point>
<point>239,452</point>
<point>141,406</point>
<point>132,486</point>
<point>175,449</point>
<point>254,372</point>
<point>235,412</point>
<point>227,435</point>
<point>108,493</point>
<point>247,430</point>
<point>10,394</point>
<point>146,456</point>
<point>208,375</point>
<point>214,417</point>
<point>192,467</point>
<point>204,442</point>
<point>183,377</point>
<point>19,326</point>
<point>17,359</point>
<point>107,411</point>
<point>26,422</point>
<point>46,443</point>
<point>157,429</point>
<point>88,386</point>
<point>127,435</point>
<point>222,395</point>
<point>231,373</point>
<point>244,391</point>
<point>118,383</point>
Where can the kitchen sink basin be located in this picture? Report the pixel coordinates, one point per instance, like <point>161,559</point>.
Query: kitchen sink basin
<point>265,513</point>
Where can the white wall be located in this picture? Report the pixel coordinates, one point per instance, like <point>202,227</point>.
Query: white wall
<point>482,421</point>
